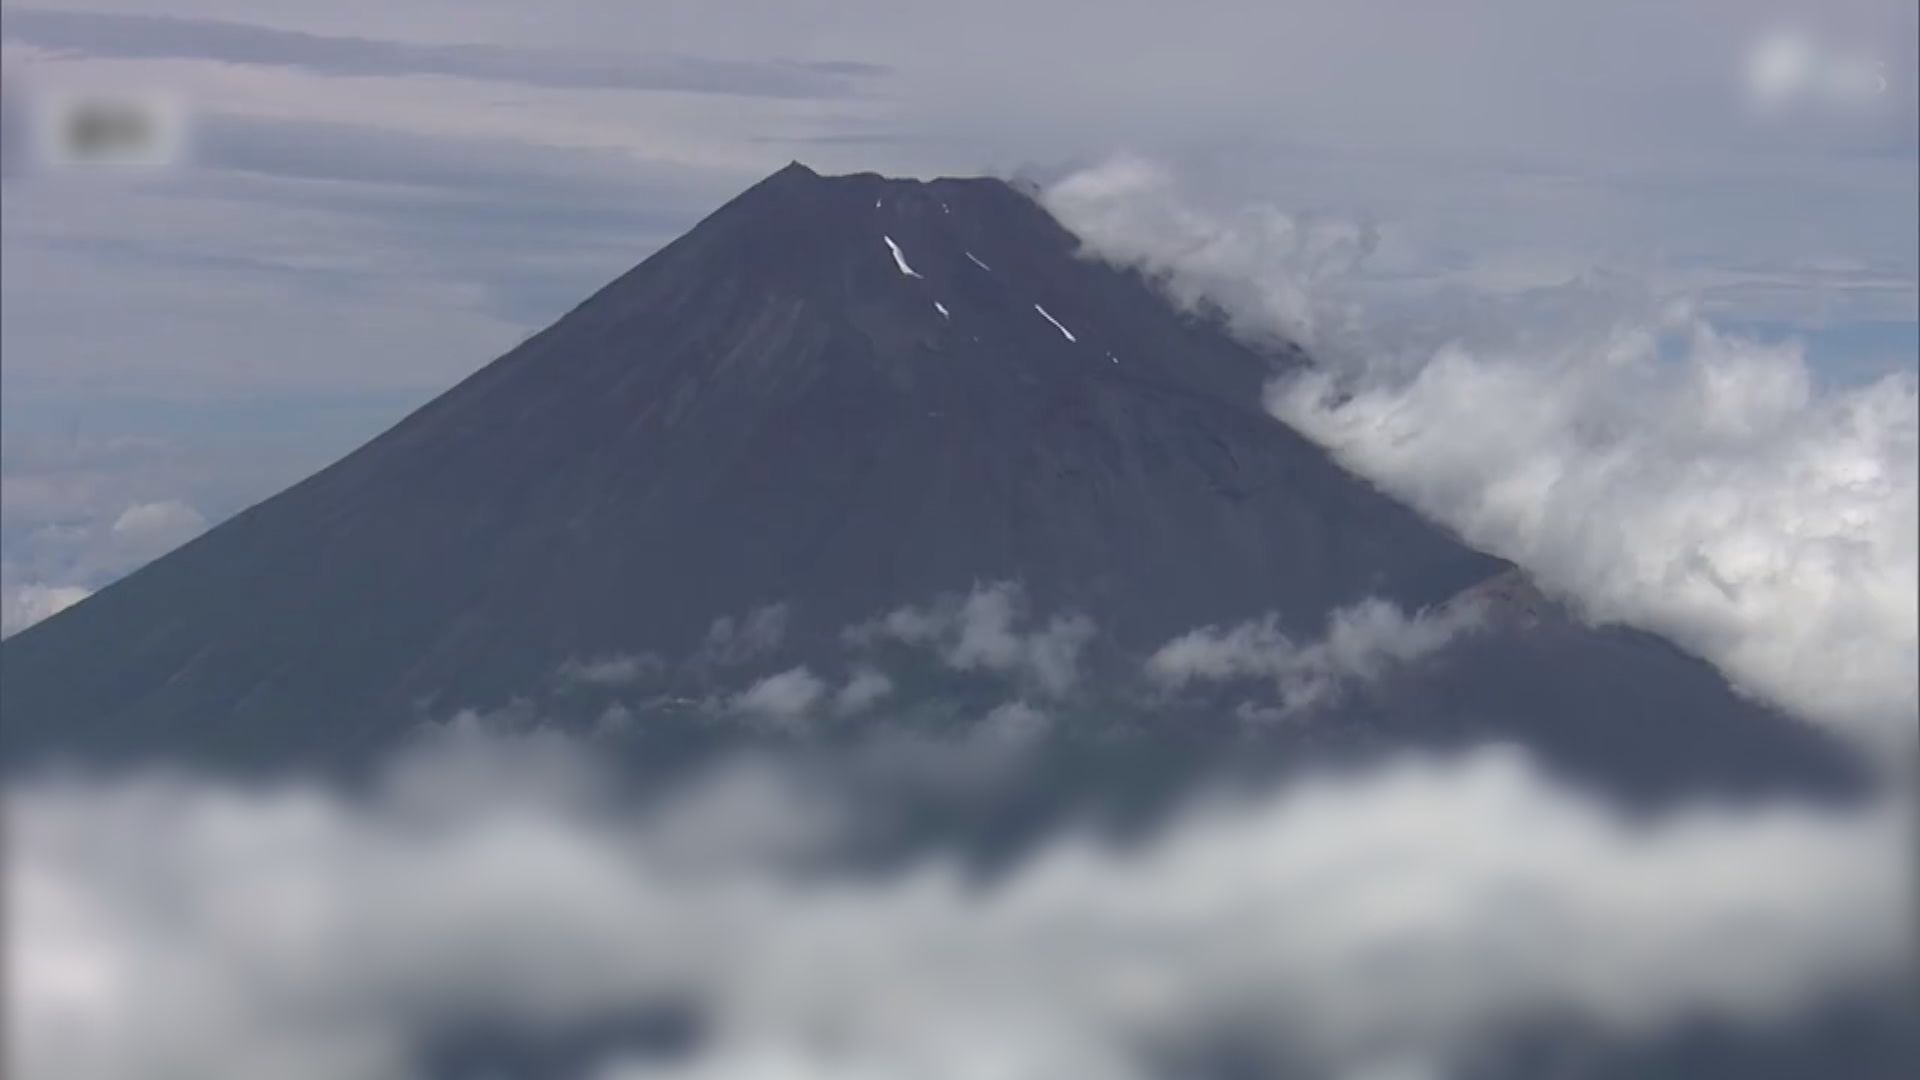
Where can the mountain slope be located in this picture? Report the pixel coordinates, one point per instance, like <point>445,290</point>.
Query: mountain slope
<point>836,394</point>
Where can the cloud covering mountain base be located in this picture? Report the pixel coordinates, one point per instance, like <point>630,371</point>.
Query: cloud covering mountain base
<point>1409,915</point>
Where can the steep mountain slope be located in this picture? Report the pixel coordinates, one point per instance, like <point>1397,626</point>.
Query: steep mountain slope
<point>840,395</point>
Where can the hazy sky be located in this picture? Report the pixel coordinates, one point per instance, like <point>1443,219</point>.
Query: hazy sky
<point>380,197</point>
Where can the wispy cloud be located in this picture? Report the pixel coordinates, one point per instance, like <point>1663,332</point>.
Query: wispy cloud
<point>1362,642</point>
<point>733,640</point>
<point>985,631</point>
<point>54,565</point>
<point>107,34</point>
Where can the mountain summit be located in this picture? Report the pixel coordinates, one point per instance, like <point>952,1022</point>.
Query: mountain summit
<point>833,397</point>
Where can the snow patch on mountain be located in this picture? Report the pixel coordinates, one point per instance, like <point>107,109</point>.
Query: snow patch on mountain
<point>899,260</point>
<point>1068,334</point>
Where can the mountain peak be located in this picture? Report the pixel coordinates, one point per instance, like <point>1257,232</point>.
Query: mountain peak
<point>798,177</point>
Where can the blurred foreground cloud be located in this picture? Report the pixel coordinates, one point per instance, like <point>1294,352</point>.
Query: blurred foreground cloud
<point>166,925</point>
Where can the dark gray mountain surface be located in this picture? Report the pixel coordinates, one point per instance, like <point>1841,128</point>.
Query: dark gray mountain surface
<point>841,395</point>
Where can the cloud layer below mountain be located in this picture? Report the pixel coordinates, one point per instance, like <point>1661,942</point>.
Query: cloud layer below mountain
<point>1402,916</point>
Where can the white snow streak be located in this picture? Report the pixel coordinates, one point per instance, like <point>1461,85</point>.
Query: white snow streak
<point>1056,323</point>
<point>977,262</point>
<point>942,309</point>
<point>899,260</point>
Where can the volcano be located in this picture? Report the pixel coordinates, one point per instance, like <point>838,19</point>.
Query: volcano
<point>833,397</point>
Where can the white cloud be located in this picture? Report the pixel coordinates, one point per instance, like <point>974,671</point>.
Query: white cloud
<point>97,549</point>
<point>1392,918</point>
<point>63,539</point>
<point>983,632</point>
<point>1362,642</point>
<point>1714,496</point>
<point>1265,268</point>
<point>165,524</point>
<point>1650,468</point>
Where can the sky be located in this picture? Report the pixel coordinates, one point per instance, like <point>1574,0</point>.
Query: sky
<point>375,199</point>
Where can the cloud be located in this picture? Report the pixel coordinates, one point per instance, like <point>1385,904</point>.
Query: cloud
<point>1635,459</point>
<point>732,641</point>
<point>785,697</point>
<point>602,184</point>
<point>77,512</point>
<point>104,34</point>
<point>982,632</point>
<point>1266,269</point>
<point>162,525</point>
<point>1409,914</point>
<point>1013,724</point>
<point>56,564</point>
<point>1689,482</point>
<point>788,697</point>
<point>864,689</point>
<point>1362,642</point>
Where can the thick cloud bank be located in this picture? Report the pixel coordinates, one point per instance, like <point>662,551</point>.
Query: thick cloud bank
<point>1713,497</point>
<point>1650,468</point>
<point>163,926</point>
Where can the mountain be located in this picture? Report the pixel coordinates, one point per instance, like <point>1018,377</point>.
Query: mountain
<point>839,395</point>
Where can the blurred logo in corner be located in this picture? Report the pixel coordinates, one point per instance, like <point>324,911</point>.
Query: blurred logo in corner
<point>111,130</point>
